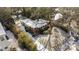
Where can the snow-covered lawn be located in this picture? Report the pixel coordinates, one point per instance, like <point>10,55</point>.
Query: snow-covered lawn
<point>12,40</point>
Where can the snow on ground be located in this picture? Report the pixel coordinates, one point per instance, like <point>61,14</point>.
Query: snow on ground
<point>12,40</point>
<point>39,46</point>
<point>64,43</point>
<point>41,40</point>
<point>10,35</point>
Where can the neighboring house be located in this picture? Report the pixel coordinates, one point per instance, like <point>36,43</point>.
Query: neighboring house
<point>35,26</point>
<point>35,23</point>
<point>58,16</point>
<point>4,43</point>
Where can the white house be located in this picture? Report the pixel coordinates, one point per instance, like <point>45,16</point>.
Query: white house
<point>4,43</point>
<point>58,16</point>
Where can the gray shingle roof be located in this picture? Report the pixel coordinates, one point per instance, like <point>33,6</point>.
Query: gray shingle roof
<point>35,23</point>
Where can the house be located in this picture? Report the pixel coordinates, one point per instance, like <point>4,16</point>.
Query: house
<point>4,43</point>
<point>58,16</point>
<point>35,26</point>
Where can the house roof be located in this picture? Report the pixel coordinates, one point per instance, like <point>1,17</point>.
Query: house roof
<point>2,32</point>
<point>58,16</point>
<point>35,23</point>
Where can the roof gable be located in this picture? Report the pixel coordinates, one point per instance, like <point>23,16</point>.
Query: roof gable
<point>2,32</point>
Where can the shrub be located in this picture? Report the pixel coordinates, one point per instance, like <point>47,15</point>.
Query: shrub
<point>36,13</point>
<point>23,39</point>
<point>26,42</point>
